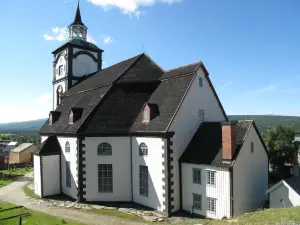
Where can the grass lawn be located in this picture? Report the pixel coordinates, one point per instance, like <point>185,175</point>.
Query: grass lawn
<point>35,218</point>
<point>265,217</point>
<point>30,193</point>
<point>13,175</point>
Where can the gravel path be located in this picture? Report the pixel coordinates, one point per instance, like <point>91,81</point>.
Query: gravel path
<point>14,193</point>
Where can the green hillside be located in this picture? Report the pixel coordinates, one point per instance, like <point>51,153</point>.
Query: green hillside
<point>263,122</point>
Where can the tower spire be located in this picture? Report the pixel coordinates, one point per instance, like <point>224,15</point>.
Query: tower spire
<point>77,19</point>
<point>77,29</point>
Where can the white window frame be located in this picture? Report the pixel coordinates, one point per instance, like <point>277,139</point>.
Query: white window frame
<point>211,178</point>
<point>196,172</point>
<point>146,115</point>
<point>105,178</point>
<point>67,147</point>
<point>201,115</point>
<point>211,205</point>
<point>143,180</point>
<point>197,204</point>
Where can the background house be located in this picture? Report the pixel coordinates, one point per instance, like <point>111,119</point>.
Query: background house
<point>285,193</point>
<point>22,153</point>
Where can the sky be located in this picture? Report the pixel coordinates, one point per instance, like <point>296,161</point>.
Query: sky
<point>251,48</point>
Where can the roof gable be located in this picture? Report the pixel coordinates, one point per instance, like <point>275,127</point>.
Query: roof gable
<point>104,77</point>
<point>50,146</point>
<point>293,183</point>
<point>22,147</point>
<point>206,144</point>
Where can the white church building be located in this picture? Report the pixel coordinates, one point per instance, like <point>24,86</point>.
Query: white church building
<point>136,133</point>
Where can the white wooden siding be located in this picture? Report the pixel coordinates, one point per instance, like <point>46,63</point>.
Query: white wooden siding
<point>154,162</point>
<point>37,175</point>
<point>287,194</point>
<point>220,191</point>
<point>250,176</point>
<point>72,158</point>
<point>120,160</point>
<point>51,175</point>
<point>186,122</point>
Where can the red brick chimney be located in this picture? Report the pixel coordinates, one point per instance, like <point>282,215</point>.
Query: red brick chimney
<point>228,139</point>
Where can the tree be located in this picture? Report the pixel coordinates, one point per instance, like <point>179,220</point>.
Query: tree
<point>282,146</point>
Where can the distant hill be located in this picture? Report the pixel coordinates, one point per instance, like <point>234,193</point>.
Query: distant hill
<point>31,126</point>
<point>263,122</point>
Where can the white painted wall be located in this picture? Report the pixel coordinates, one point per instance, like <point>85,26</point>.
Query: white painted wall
<point>250,176</point>
<point>154,162</point>
<point>51,175</point>
<point>221,190</point>
<point>61,62</point>
<point>84,64</point>
<point>43,138</point>
<point>120,159</point>
<point>186,122</point>
<point>287,194</point>
<point>64,85</point>
<point>72,158</point>
<point>37,175</point>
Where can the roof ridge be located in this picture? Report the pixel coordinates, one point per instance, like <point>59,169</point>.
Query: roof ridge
<point>179,67</point>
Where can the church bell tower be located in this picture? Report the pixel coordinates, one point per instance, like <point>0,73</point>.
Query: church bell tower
<point>74,60</point>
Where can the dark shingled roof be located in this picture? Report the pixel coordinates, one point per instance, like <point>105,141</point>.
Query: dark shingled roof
<point>126,86</point>
<point>167,97</point>
<point>294,182</point>
<point>86,100</point>
<point>118,110</point>
<point>191,68</point>
<point>206,145</point>
<point>50,146</point>
<point>104,77</point>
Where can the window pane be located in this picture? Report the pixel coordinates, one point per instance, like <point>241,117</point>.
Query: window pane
<point>104,149</point>
<point>105,178</point>
<point>143,149</point>
<point>143,175</point>
<point>68,174</point>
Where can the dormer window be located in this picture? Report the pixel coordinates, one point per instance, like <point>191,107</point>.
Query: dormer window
<point>53,117</point>
<point>146,116</point>
<point>75,114</point>
<point>149,112</point>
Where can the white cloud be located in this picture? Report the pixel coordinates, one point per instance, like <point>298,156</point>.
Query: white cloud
<point>58,34</point>
<point>227,84</point>
<point>268,88</point>
<point>43,99</point>
<point>91,39</point>
<point>61,34</point>
<point>108,40</point>
<point>130,6</point>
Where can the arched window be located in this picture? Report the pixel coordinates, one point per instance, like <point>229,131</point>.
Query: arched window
<point>143,149</point>
<point>67,147</point>
<point>104,149</point>
<point>59,92</point>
